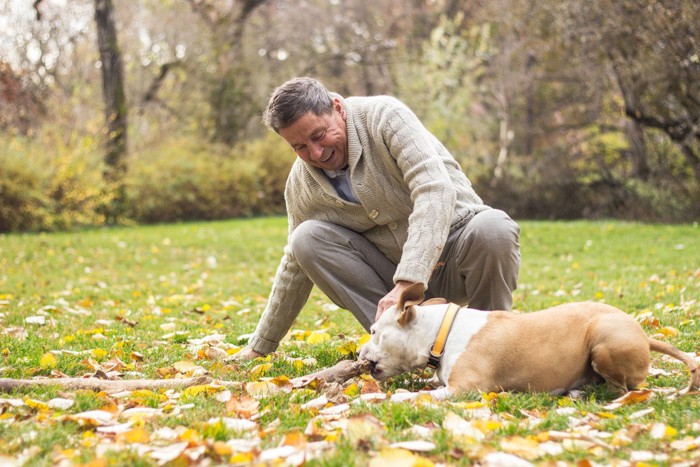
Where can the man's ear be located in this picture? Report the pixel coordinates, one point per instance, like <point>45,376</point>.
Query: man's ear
<point>411,296</point>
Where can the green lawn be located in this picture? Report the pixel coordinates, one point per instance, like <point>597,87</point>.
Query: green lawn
<point>136,300</point>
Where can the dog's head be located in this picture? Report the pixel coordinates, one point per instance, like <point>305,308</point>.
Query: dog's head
<point>392,350</point>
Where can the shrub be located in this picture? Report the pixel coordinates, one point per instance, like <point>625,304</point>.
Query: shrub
<point>184,179</point>
<point>48,184</point>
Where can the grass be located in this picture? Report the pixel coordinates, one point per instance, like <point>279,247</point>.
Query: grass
<point>139,294</point>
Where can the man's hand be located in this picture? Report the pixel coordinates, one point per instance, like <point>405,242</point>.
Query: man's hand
<point>244,355</point>
<point>391,298</point>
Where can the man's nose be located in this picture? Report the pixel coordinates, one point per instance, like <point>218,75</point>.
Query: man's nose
<point>315,151</point>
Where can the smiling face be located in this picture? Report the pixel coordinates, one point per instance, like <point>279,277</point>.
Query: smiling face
<point>320,140</point>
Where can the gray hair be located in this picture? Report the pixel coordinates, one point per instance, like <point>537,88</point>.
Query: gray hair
<point>295,98</point>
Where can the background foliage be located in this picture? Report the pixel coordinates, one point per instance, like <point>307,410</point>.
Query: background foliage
<point>554,109</point>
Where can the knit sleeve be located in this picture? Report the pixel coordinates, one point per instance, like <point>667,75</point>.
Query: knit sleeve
<point>431,189</point>
<point>290,291</point>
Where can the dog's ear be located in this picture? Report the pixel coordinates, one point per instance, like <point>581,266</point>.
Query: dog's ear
<point>407,315</point>
<point>411,296</point>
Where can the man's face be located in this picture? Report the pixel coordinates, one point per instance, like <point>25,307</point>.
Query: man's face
<point>320,140</point>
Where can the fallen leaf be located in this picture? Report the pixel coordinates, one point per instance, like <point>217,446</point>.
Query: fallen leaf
<point>60,403</point>
<point>363,430</point>
<point>318,337</point>
<point>242,406</point>
<point>370,386</point>
<point>259,370</point>
<point>391,457</point>
<point>632,397</point>
<point>136,435</point>
<point>415,446</point>
<point>39,320</point>
<point>261,389</point>
<point>48,360</point>
<point>662,431</point>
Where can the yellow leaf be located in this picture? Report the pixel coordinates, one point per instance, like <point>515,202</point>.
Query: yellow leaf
<point>347,348</point>
<point>393,457</point>
<point>668,331</point>
<point>48,361</point>
<point>137,435</point>
<point>299,335</point>
<point>187,367</point>
<point>282,381</point>
<point>242,458</point>
<point>98,462</point>
<point>294,438</point>
<point>663,431</point>
<point>259,370</point>
<point>352,390</point>
<point>363,340</point>
<point>193,391</point>
<point>489,397</point>
<point>190,435</point>
<point>318,337</point>
<point>631,397</point>
<point>222,449</point>
<point>35,404</point>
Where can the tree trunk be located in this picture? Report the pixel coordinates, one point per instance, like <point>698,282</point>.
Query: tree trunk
<point>113,92</point>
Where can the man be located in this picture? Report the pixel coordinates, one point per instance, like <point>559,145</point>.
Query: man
<point>375,203</point>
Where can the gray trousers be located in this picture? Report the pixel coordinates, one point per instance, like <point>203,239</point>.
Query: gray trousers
<point>479,265</point>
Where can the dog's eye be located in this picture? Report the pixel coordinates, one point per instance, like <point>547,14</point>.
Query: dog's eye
<point>372,331</point>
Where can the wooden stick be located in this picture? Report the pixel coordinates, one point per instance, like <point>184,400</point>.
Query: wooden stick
<point>97,384</point>
<point>339,373</point>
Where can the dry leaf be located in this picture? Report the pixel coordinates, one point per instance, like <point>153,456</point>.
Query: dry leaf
<point>363,429</point>
<point>242,406</point>
<point>370,386</point>
<point>259,370</point>
<point>631,397</point>
<point>136,435</point>
<point>415,446</point>
<point>391,457</point>
<point>261,389</point>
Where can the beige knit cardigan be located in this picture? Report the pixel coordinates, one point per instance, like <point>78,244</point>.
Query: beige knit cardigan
<point>412,194</point>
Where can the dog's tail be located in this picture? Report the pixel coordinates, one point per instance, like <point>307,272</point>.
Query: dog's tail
<point>671,351</point>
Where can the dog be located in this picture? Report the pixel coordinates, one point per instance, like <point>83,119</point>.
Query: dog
<point>556,350</point>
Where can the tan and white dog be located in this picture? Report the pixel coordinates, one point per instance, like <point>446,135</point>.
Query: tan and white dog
<point>556,350</point>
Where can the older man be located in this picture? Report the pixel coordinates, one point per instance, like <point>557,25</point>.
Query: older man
<point>375,203</point>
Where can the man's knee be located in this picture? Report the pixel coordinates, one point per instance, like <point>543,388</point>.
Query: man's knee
<point>494,230</point>
<point>304,241</point>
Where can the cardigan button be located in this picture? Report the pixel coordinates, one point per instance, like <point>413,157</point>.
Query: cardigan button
<point>374,214</point>
<point>393,225</point>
